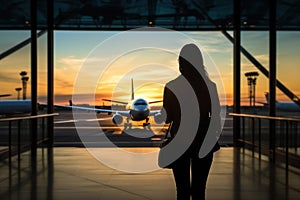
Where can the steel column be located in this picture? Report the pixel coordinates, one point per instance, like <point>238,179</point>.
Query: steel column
<point>33,23</point>
<point>236,72</point>
<point>50,69</point>
<point>272,77</point>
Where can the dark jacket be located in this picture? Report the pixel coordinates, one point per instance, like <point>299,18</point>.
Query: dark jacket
<point>173,111</point>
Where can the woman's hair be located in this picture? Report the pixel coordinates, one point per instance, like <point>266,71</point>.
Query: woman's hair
<point>190,59</point>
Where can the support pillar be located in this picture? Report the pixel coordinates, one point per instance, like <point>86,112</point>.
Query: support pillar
<point>272,75</point>
<point>33,23</point>
<point>50,70</point>
<point>236,72</point>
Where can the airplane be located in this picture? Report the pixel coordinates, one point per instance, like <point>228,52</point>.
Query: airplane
<point>283,106</point>
<point>13,107</point>
<point>136,110</point>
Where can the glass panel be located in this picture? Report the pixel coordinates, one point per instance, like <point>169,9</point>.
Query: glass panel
<point>288,47</point>
<point>11,66</point>
<point>254,83</point>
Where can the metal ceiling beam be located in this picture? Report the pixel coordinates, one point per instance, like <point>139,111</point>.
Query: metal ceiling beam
<point>289,14</point>
<point>151,12</point>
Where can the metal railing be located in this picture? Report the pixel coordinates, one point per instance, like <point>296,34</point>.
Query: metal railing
<point>16,134</point>
<point>279,146</point>
<point>25,154</point>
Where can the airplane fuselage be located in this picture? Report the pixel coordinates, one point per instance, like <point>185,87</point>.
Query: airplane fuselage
<point>287,106</point>
<point>139,110</point>
<point>139,115</point>
<point>11,107</point>
<point>283,106</point>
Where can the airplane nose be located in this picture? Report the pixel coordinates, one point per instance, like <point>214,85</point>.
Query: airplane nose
<point>139,114</point>
<point>140,108</point>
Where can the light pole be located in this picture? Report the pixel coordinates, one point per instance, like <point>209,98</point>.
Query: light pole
<point>18,90</point>
<point>24,83</point>
<point>251,77</point>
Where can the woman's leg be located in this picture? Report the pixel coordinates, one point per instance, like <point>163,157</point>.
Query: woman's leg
<point>181,172</point>
<point>200,170</point>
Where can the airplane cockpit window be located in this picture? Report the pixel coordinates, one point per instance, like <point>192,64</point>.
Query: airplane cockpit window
<point>140,102</point>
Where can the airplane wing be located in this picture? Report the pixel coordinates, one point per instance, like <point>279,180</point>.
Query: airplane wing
<point>264,103</point>
<point>5,95</point>
<point>98,110</point>
<point>114,101</point>
<point>154,112</point>
<point>152,102</point>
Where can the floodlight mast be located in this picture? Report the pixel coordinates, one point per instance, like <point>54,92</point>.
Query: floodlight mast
<point>251,77</point>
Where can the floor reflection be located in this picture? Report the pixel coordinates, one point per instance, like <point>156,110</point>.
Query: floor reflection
<point>27,176</point>
<point>72,173</point>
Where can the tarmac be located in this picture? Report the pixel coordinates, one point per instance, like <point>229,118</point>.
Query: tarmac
<point>73,173</point>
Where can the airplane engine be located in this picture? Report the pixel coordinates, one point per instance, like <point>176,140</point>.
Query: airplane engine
<point>117,119</point>
<point>158,118</point>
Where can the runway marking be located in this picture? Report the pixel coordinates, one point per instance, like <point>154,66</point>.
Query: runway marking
<point>99,119</point>
<point>91,127</point>
<point>66,121</point>
<point>66,127</point>
<point>86,120</point>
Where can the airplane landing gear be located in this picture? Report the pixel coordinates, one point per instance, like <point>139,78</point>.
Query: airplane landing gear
<point>146,124</point>
<point>127,125</point>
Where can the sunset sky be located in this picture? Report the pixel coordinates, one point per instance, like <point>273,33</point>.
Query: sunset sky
<point>79,56</point>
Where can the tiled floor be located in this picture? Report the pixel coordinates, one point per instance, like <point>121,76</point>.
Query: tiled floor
<point>72,173</point>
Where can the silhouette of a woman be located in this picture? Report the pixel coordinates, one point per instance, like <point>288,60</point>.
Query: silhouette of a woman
<point>192,69</point>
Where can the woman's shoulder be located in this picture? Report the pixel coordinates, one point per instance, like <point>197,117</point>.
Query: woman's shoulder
<point>175,81</point>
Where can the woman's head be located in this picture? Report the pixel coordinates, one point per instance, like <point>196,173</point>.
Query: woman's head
<point>190,59</point>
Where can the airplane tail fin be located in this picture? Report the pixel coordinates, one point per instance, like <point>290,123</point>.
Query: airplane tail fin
<point>267,97</point>
<point>122,102</point>
<point>132,90</point>
<point>70,103</point>
<point>267,100</point>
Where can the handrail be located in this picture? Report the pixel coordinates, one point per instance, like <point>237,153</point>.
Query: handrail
<point>277,145</point>
<point>28,117</point>
<point>265,117</point>
<point>34,141</point>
